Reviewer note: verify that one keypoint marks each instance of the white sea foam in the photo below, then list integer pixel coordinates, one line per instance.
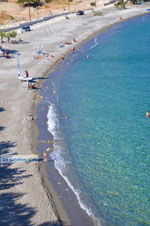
(95, 44)
(59, 162)
(53, 87)
(53, 123)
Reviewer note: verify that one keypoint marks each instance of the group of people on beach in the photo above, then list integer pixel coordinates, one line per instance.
(73, 49)
(16, 41)
(63, 56)
(31, 85)
(45, 55)
(6, 54)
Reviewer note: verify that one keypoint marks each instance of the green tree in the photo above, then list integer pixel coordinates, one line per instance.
(13, 34)
(30, 3)
(2, 35)
(120, 4)
(9, 35)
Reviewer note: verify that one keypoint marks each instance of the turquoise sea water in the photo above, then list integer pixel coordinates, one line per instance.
(105, 91)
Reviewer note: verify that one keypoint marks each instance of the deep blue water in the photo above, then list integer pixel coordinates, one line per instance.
(105, 91)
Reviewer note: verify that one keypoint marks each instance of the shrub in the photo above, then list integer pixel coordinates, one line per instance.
(122, 5)
(48, 1)
(116, 5)
(98, 13)
(93, 3)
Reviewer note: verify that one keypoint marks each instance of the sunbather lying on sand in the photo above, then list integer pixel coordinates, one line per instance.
(32, 85)
(69, 43)
(43, 57)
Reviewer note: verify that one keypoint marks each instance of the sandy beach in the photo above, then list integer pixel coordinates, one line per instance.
(25, 198)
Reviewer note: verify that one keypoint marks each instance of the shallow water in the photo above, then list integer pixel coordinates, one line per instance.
(104, 89)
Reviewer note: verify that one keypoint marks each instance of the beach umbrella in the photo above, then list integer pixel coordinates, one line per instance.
(40, 52)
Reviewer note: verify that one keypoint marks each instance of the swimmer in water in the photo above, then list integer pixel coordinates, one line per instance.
(147, 114)
(65, 117)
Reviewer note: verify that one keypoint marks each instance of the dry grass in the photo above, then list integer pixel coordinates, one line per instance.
(4, 17)
(19, 13)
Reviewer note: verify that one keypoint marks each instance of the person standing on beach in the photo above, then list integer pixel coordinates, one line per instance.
(62, 58)
(26, 74)
(45, 157)
(73, 50)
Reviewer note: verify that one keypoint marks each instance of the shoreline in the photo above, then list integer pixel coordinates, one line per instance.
(26, 143)
(57, 174)
(76, 214)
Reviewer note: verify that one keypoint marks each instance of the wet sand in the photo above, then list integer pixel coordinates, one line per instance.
(25, 187)
(76, 215)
